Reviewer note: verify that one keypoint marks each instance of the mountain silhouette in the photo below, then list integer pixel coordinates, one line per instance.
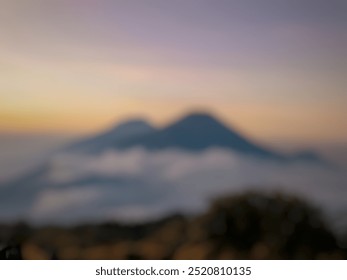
(108, 187)
(110, 138)
(194, 132)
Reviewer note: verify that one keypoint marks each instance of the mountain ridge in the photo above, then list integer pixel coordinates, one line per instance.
(194, 132)
(140, 177)
(99, 142)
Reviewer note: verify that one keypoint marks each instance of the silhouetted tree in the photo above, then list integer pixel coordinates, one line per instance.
(283, 226)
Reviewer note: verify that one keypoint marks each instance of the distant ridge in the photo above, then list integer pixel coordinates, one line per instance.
(111, 137)
(194, 132)
(197, 132)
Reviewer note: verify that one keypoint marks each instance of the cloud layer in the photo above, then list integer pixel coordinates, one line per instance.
(138, 185)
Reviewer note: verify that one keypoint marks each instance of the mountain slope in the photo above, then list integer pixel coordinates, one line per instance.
(110, 138)
(196, 132)
(194, 157)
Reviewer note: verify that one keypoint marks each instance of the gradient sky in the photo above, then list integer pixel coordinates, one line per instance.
(276, 69)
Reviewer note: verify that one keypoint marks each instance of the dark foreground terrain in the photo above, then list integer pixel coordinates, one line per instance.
(248, 226)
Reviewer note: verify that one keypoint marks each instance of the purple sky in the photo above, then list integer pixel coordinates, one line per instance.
(277, 69)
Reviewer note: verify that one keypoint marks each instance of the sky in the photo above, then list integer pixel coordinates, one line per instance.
(275, 69)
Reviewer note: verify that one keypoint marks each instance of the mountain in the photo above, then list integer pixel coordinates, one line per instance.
(195, 132)
(81, 182)
(110, 138)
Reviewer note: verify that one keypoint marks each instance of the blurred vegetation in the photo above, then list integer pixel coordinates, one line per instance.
(246, 226)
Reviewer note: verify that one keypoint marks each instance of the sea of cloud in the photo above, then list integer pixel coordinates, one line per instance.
(139, 185)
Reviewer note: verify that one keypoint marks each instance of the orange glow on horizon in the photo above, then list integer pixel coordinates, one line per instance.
(259, 121)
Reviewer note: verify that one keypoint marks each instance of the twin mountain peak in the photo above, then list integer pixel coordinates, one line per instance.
(194, 132)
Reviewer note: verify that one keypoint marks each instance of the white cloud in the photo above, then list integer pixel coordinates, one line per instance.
(54, 201)
(68, 167)
(169, 181)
